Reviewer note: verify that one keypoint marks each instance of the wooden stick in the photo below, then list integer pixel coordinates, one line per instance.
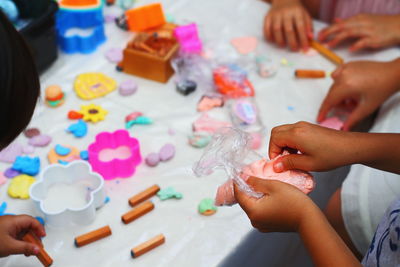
(92, 236)
(42, 256)
(147, 246)
(326, 52)
(310, 74)
(137, 212)
(144, 195)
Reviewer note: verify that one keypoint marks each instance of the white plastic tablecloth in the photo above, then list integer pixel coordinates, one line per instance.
(191, 239)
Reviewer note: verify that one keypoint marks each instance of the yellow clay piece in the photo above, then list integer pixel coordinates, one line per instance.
(19, 186)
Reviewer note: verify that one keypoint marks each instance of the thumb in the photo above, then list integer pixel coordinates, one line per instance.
(261, 185)
(293, 162)
(22, 247)
(357, 115)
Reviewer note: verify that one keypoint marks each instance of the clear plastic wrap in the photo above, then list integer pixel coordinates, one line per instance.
(230, 150)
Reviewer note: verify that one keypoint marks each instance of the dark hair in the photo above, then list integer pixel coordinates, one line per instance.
(19, 83)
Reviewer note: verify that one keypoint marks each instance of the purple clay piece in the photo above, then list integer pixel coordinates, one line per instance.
(128, 87)
(28, 149)
(152, 159)
(40, 140)
(167, 152)
(171, 132)
(10, 153)
(114, 55)
(11, 173)
(109, 18)
(31, 132)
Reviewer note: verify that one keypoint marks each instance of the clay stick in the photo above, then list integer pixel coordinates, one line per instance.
(137, 212)
(147, 246)
(310, 74)
(326, 52)
(92, 236)
(144, 195)
(42, 256)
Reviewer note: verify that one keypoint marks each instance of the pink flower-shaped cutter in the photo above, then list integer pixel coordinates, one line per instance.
(114, 168)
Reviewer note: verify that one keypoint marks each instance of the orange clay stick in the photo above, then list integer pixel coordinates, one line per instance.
(309, 74)
(147, 246)
(326, 52)
(92, 236)
(142, 196)
(42, 256)
(137, 212)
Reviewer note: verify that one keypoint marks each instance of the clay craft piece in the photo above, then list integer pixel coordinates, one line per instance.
(60, 213)
(115, 154)
(206, 207)
(55, 157)
(41, 140)
(147, 246)
(11, 173)
(92, 236)
(54, 96)
(199, 140)
(78, 129)
(31, 132)
(127, 88)
(231, 80)
(11, 152)
(74, 115)
(114, 55)
(168, 193)
(144, 195)
(27, 165)
(207, 124)
(245, 45)
(137, 212)
(152, 159)
(92, 85)
(207, 103)
(93, 113)
(167, 152)
(149, 56)
(140, 120)
(19, 186)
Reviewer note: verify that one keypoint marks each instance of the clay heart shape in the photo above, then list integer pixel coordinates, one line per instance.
(244, 45)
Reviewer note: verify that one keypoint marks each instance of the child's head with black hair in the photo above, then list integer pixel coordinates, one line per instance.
(19, 83)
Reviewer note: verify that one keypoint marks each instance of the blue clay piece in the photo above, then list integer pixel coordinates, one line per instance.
(41, 220)
(139, 120)
(63, 162)
(27, 165)
(107, 200)
(84, 155)
(78, 129)
(3, 208)
(62, 150)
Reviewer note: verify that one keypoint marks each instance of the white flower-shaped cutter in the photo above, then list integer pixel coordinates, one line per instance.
(68, 174)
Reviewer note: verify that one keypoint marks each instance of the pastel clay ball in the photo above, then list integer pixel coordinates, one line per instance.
(127, 88)
(40, 140)
(167, 152)
(152, 159)
(53, 91)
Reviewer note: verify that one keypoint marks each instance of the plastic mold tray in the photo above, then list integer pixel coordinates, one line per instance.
(115, 154)
(78, 172)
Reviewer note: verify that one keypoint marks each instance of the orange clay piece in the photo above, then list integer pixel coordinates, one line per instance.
(53, 157)
(209, 212)
(326, 52)
(310, 74)
(145, 17)
(53, 93)
(147, 246)
(79, 2)
(92, 236)
(144, 195)
(42, 256)
(232, 88)
(137, 212)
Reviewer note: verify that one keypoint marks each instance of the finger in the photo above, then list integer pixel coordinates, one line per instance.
(325, 33)
(276, 147)
(309, 27)
(22, 247)
(356, 115)
(289, 33)
(293, 162)
(337, 72)
(361, 44)
(245, 202)
(27, 223)
(267, 28)
(277, 31)
(342, 36)
(333, 98)
(260, 185)
(302, 31)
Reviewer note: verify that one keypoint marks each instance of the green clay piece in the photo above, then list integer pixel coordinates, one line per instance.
(170, 18)
(207, 204)
(139, 120)
(168, 193)
(54, 103)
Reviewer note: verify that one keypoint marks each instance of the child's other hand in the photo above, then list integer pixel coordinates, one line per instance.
(12, 229)
(366, 83)
(283, 208)
(371, 31)
(288, 23)
(321, 148)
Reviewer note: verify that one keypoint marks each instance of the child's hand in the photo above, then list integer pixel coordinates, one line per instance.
(367, 83)
(12, 229)
(288, 23)
(371, 31)
(283, 208)
(321, 148)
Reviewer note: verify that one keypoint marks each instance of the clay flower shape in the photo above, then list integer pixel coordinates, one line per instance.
(58, 212)
(115, 154)
(93, 113)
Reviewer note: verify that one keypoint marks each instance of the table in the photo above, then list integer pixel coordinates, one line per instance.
(191, 239)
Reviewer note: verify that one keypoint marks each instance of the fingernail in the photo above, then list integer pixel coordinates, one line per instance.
(278, 167)
(36, 250)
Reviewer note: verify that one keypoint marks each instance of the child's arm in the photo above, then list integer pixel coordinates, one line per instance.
(324, 149)
(284, 208)
(370, 31)
(367, 83)
(288, 23)
(12, 229)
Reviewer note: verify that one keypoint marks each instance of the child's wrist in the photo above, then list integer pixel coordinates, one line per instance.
(310, 213)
